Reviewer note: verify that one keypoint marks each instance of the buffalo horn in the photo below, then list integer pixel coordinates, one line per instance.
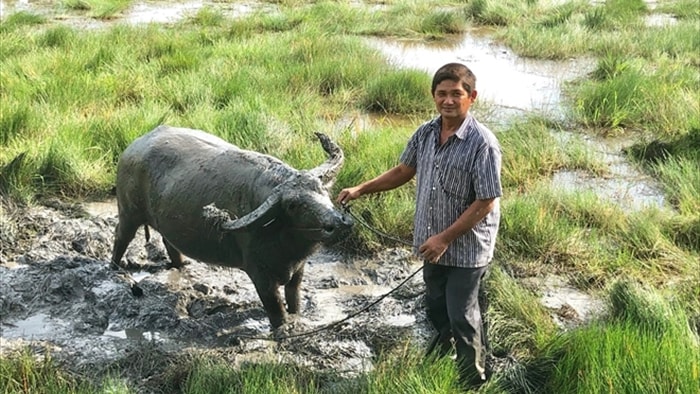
(327, 171)
(263, 214)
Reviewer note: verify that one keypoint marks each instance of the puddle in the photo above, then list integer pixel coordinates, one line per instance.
(157, 12)
(629, 193)
(625, 185)
(557, 293)
(503, 78)
(38, 326)
(13, 265)
(333, 302)
(660, 20)
(568, 305)
(162, 12)
(134, 334)
(103, 209)
(402, 320)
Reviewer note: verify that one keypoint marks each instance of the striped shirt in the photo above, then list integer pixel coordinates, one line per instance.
(450, 177)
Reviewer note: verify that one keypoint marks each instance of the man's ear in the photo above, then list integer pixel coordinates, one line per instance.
(473, 94)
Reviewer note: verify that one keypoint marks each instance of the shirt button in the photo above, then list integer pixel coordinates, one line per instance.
(433, 187)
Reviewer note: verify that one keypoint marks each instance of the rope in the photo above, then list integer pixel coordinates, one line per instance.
(346, 208)
(334, 324)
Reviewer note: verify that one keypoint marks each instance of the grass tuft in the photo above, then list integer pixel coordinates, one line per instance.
(644, 346)
(402, 91)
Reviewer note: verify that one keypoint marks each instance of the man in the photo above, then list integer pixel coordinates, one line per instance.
(457, 162)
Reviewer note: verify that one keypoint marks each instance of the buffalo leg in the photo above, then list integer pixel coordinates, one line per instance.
(174, 254)
(272, 302)
(292, 291)
(123, 235)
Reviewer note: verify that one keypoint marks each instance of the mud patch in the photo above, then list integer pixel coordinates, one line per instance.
(59, 292)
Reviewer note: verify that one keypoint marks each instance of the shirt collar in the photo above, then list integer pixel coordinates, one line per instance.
(463, 129)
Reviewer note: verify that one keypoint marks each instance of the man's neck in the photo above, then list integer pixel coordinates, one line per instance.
(449, 127)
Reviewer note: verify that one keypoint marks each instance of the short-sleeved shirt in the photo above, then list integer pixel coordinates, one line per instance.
(450, 177)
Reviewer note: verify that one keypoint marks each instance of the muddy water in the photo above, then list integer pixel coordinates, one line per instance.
(625, 184)
(162, 12)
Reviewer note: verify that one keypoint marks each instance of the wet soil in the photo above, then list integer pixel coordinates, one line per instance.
(59, 293)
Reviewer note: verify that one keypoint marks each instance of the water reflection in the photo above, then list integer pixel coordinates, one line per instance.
(503, 78)
(558, 294)
(134, 334)
(37, 326)
(149, 12)
(157, 13)
(162, 12)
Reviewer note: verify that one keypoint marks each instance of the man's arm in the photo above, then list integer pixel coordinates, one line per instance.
(390, 179)
(434, 247)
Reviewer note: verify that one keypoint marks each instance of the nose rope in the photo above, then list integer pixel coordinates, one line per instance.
(346, 209)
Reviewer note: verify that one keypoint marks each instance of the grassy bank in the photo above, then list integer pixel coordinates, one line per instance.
(71, 100)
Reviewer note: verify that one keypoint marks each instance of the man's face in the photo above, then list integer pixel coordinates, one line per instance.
(451, 100)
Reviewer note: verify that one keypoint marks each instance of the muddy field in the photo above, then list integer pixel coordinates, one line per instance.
(60, 295)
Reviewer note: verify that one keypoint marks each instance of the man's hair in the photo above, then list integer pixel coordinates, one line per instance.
(456, 72)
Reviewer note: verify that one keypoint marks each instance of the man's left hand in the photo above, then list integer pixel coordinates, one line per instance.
(433, 248)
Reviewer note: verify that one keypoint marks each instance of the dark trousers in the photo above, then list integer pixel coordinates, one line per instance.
(452, 303)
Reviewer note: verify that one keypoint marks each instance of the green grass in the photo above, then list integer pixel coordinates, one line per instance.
(210, 376)
(26, 373)
(628, 95)
(675, 161)
(423, 375)
(399, 92)
(534, 148)
(644, 346)
(98, 9)
(578, 235)
(496, 13)
(99, 96)
(683, 9)
(518, 324)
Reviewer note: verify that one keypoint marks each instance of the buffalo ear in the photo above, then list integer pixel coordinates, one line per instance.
(266, 212)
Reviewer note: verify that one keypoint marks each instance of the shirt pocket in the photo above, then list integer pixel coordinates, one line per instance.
(455, 181)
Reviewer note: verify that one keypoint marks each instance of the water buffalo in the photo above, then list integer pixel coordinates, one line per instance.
(188, 184)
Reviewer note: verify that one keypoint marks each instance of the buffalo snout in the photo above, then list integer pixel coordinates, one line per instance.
(338, 228)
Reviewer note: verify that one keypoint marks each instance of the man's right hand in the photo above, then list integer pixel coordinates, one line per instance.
(347, 195)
